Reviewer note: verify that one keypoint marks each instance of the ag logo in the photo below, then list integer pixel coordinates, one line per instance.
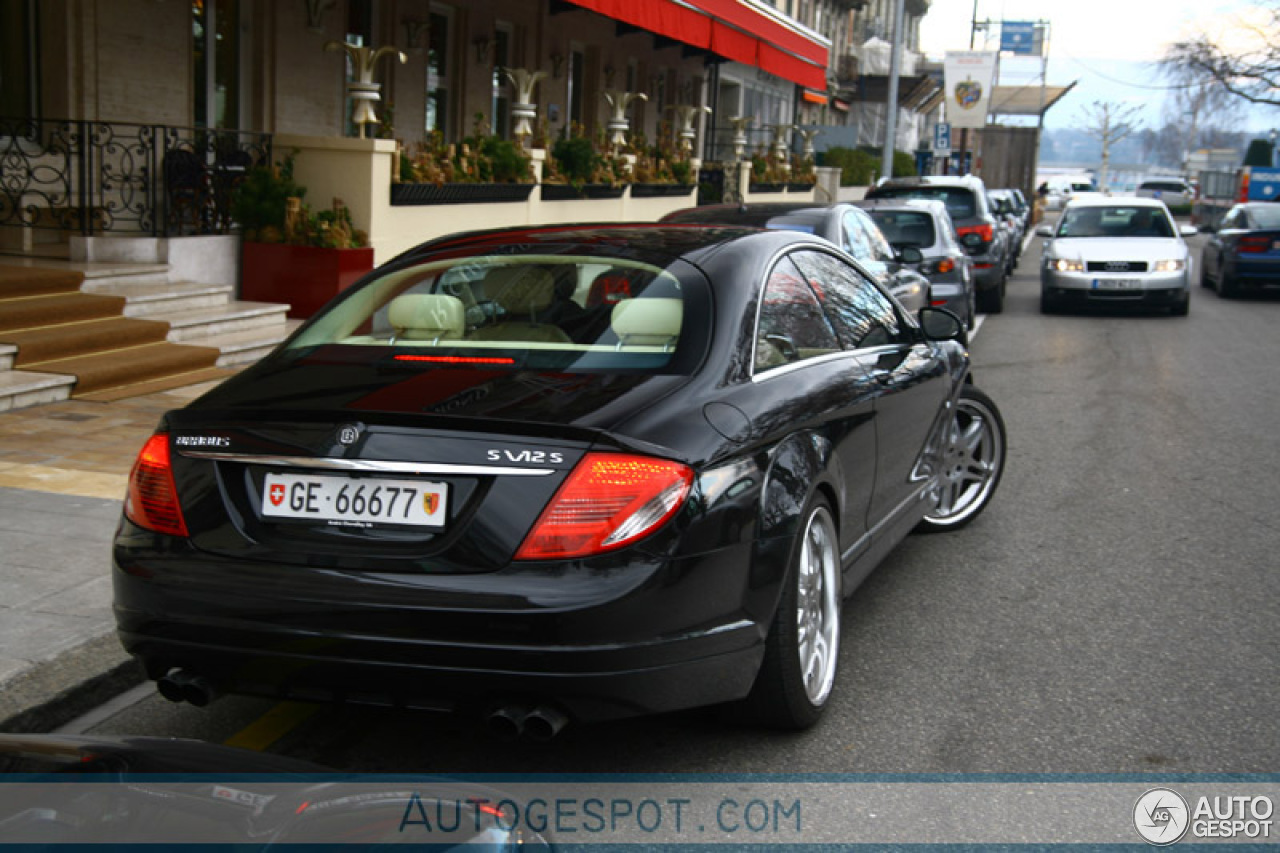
(968, 93)
(348, 433)
(1161, 816)
(430, 501)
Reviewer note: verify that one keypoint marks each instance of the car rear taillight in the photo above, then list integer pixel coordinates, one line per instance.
(986, 231)
(945, 265)
(608, 501)
(1255, 244)
(152, 501)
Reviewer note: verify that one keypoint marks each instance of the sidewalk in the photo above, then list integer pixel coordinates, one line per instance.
(63, 471)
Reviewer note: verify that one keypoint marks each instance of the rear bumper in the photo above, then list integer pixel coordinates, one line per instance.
(1254, 272)
(635, 637)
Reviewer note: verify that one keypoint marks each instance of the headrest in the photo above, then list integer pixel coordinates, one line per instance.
(648, 322)
(520, 289)
(427, 316)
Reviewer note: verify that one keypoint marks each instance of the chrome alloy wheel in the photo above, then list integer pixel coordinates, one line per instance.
(818, 606)
(971, 459)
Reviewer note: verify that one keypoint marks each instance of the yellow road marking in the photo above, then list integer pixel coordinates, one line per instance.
(271, 726)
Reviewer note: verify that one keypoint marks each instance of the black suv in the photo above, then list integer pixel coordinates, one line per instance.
(975, 221)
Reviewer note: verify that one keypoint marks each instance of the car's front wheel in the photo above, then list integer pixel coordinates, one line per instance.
(971, 461)
(799, 668)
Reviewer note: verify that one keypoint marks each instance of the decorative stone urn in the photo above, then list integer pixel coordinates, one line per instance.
(807, 136)
(781, 142)
(619, 123)
(363, 91)
(686, 114)
(740, 125)
(523, 109)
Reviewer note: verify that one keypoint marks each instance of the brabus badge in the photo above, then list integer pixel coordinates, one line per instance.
(348, 434)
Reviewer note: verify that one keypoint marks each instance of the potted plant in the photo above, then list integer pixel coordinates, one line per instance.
(582, 168)
(288, 253)
(482, 168)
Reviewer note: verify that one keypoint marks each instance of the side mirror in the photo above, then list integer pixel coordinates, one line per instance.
(1044, 230)
(1187, 230)
(939, 324)
(910, 255)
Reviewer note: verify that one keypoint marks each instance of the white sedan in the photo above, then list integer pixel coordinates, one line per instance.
(1115, 251)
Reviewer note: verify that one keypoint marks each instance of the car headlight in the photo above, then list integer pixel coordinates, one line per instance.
(1168, 266)
(1066, 265)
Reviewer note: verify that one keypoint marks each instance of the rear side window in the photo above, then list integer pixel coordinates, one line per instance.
(551, 312)
(960, 202)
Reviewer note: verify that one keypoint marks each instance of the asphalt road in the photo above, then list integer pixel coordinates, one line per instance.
(1117, 608)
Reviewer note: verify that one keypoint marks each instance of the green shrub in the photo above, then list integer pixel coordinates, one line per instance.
(856, 166)
(575, 159)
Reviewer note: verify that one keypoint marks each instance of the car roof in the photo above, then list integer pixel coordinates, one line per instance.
(967, 181)
(1116, 201)
(933, 205)
(639, 240)
(754, 215)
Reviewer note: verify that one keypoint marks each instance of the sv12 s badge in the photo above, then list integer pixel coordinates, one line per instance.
(528, 457)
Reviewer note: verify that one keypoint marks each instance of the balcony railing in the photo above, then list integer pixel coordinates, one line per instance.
(95, 176)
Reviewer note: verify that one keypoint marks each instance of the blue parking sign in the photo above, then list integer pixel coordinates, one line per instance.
(942, 136)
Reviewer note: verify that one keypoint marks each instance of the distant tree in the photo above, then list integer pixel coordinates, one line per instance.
(1109, 123)
(1260, 153)
(1251, 73)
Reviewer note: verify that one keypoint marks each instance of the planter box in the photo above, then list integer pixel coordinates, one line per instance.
(655, 190)
(766, 188)
(567, 192)
(406, 194)
(799, 188)
(306, 277)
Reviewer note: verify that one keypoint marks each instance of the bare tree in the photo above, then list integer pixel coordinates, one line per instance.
(1253, 75)
(1109, 123)
(1200, 114)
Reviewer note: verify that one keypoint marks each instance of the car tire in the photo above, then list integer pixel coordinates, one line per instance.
(797, 675)
(1205, 281)
(1182, 307)
(1227, 287)
(971, 456)
(992, 301)
(1048, 305)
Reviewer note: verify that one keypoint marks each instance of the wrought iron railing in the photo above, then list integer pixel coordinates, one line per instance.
(98, 176)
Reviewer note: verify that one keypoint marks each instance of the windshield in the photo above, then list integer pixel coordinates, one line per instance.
(1118, 221)
(905, 227)
(1267, 217)
(546, 312)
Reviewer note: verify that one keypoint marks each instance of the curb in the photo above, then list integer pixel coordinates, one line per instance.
(57, 691)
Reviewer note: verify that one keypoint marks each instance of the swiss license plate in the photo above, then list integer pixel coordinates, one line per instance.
(354, 502)
(1116, 284)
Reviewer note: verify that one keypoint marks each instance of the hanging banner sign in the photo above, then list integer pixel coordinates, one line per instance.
(970, 77)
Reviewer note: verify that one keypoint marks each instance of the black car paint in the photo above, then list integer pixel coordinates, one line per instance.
(676, 620)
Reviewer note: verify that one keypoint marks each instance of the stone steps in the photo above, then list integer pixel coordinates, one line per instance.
(199, 315)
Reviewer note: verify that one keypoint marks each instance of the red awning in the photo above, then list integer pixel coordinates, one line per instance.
(732, 29)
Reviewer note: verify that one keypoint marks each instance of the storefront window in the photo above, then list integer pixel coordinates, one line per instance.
(18, 58)
(438, 74)
(215, 45)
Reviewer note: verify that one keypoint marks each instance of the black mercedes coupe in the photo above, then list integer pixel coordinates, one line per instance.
(557, 473)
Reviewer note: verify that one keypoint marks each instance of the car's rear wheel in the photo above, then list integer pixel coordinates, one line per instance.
(1205, 281)
(971, 461)
(1228, 287)
(799, 668)
(992, 301)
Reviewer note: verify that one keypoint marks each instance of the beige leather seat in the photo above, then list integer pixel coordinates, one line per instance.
(653, 322)
(524, 292)
(427, 317)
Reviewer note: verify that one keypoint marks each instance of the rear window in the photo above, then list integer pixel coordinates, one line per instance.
(1267, 217)
(905, 227)
(543, 312)
(1164, 186)
(960, 202)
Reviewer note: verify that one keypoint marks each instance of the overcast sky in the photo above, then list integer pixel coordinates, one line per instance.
(1109, 46)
